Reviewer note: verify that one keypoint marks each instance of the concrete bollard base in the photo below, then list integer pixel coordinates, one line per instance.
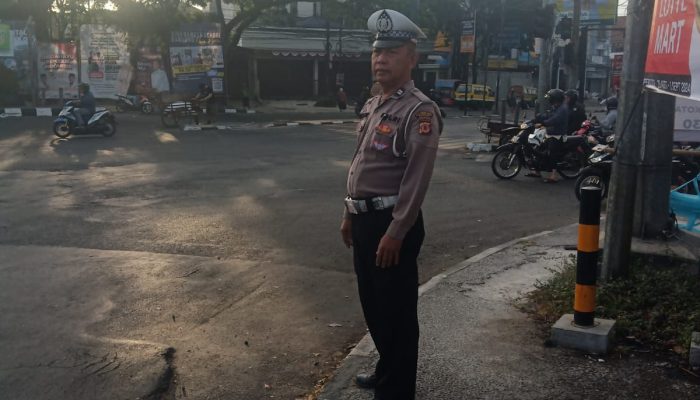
(595, 339)
(695, 350)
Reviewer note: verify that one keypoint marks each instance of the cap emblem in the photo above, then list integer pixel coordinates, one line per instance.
(384, 23)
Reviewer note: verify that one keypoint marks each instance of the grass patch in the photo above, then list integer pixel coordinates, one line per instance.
(657, 307)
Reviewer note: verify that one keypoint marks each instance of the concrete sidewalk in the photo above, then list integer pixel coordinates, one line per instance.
(475, 344)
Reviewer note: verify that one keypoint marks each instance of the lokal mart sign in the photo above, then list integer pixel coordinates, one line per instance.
(673, 61)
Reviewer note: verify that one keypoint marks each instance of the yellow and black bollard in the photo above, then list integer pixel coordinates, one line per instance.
(587, 257)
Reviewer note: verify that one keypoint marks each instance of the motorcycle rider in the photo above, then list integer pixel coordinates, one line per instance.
(610, 119)
(86, 105)
(557, 122)
(577, 111)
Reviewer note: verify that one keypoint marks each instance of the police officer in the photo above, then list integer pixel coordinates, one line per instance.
(387, 182)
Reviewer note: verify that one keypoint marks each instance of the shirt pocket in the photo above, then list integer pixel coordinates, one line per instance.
(382, 139)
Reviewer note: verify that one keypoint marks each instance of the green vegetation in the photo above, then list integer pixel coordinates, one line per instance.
(657, 307)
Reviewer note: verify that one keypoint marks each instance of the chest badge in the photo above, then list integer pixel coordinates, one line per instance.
(384, 129)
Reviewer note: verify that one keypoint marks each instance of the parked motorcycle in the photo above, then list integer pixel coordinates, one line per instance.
(599, 170)
(174, 112)
(525, 150)
(101, 122)
(137, 102)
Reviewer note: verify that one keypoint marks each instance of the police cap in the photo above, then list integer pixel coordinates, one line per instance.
(393, 29)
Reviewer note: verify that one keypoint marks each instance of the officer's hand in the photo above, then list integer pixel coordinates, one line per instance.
(346, 231)
(388, 252)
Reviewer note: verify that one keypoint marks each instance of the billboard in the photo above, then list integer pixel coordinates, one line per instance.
(196, 56)
(57, 70)
(593, 12)
(104, 60)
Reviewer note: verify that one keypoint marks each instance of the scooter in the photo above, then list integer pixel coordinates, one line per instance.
(101, 122)
(137, 102)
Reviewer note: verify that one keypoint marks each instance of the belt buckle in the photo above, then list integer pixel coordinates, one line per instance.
(378, 203)
(350, 206)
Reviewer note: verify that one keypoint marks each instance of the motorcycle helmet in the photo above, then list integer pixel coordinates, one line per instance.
(84, 87)
(572, 95)
(611, 103)
(555, 96)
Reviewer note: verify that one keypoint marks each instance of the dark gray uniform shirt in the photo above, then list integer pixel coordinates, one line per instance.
(388, 163)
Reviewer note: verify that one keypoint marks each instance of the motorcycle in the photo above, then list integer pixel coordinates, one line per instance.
(599, 170)
(174, 112)
(101, 122)
(138, 102)
(525, 149)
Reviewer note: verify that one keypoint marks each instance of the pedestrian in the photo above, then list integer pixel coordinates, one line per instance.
(204, 96)
(342, 99)
(387, 182)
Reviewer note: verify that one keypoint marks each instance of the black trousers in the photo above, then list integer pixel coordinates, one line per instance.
(389, 298)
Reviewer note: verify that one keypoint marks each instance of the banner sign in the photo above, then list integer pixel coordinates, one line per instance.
(687, 125)
(57, 70)
(5, 41)
(616, 71)
(593, 12)
(17, 60)
(196, 56)
(673, 61)
(468, 38)
(104, 60)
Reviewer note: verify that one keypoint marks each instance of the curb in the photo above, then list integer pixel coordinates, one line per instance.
(482, 147)
(239, 111)
(310, 123)
(199, 128)
(29, 112)
(365, 346)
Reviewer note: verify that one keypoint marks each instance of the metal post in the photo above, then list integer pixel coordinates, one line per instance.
(575, 30)
(618, 224)
(582, 61)
(655, 174)
(543, 80)
(587, 256)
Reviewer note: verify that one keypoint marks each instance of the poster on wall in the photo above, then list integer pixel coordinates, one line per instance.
(5, 41)
(57, 70)
(104, 59)
(196, 56)
(150, 76)
(17, 59)
(673, 61)
(593, 12)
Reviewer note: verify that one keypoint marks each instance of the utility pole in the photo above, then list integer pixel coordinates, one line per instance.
(575, 32)
(628, 132)
(545, 67)
(652, 219)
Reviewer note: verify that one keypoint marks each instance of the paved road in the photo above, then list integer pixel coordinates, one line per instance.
(222, 245)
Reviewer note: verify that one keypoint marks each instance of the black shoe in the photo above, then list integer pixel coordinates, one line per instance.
(366, 381)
